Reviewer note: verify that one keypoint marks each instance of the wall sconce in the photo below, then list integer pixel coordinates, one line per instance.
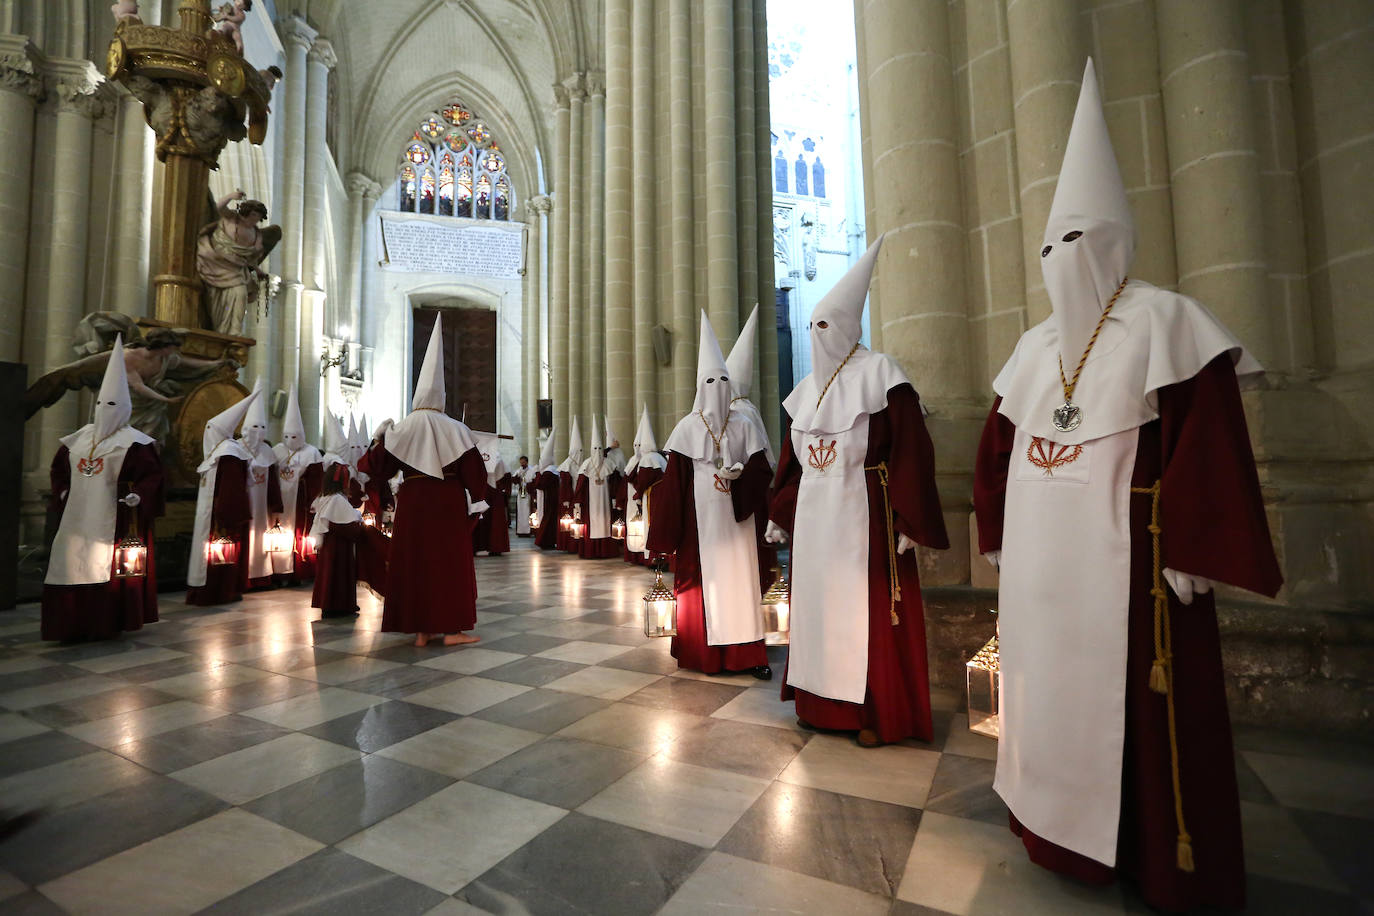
(328, 362)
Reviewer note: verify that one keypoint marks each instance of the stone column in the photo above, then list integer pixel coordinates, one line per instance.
(722, 253)
(1214, 165)
(1049, 46)
(320, 61)
(20, 90)
(363, 192)
(558, 280)
(535, 208)
(297, 38)
(645, 215)
(622, 398)
(768, 397)
(596, 244)
(128, 250)
(746, 174)
(681, 204)
(577, 290)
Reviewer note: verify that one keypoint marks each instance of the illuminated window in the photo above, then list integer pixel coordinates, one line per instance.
(451, 165)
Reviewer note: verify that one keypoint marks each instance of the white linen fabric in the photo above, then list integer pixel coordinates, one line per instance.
(427, 439)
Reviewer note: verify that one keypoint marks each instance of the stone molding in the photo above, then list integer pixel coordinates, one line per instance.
(322, 52)
(360, 184)
(560, 96)
(576, 86)
(17, 71)
(543, 203)
(295, 31)
(596, 83)
(79, 89)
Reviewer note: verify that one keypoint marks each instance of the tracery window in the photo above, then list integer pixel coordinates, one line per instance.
(453, 166)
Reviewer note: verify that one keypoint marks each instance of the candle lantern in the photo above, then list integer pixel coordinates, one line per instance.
(370, 519)
(565, 523)
(777, 610)
(618, 530)
(534, 519)
(221, 551)
(636, 528)
(660, 608)
(277, 540)
(131, 558)
(984, 684)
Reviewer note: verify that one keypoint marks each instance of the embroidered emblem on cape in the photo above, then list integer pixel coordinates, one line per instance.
(721, 484)
(1048, 456)
(287, 473)
(259, 477)
(822, 456)
(90, 467)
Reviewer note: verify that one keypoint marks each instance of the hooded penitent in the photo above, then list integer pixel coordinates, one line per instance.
(335, 441)
(705, 434)
(645, 446)
(573, 462)
(1151, 338)
(546, 454)
(427, 439)
(740, 364)
(218, 442)
(83, 550)
(596, 464)
(294, 458)
(255, 421)
(615, 454)
(647, 457)
(259, 480)
(293, 429)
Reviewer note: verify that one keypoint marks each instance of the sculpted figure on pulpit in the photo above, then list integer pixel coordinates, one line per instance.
(227, 258)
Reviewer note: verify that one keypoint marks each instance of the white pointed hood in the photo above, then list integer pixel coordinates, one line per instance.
(1089, 240)
(740, 362)
(573, 462)
(428, 439)
(255, 421)
(546, 460)
(292, 426)
(615, 454)
(113, 406)
(645, 446)
(705, 434)
(596, 464)
(335, 440)
(219, 433)
(841, 311)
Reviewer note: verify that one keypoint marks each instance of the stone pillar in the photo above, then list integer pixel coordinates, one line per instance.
(622, 398)
(645, 217)
(558, 300)
(362, 198)
(577, 290)
(128, 251)
(20, 89)
(297, 38)
(767, 395)
(535, 208)
(1049, 47)
(1214, 166)
(682, 202)
(596, 245)
(320, 61)
(722, 231)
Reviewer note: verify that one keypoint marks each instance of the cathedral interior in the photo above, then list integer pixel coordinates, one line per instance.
(296, 192)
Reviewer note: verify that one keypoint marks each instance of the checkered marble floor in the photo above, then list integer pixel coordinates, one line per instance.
(251, 759)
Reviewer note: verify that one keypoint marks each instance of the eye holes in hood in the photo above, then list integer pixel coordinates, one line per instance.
(1072, 236)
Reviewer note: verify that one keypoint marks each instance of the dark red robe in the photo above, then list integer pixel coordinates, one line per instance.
(230, 515)
(104, 609)
(644, 478)
(588, 547)
(546, 535)
(347, 555)
(431, 585)
(1212, 525)
(897, 702)
(566, 491)
(492, 533)
(307, 491)
(673, 529)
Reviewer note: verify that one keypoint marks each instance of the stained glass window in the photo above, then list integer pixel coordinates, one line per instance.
(818, 178)
(452, 166)
(780, 172)
(801, 175)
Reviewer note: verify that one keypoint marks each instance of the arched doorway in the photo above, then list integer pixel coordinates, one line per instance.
(469, 338)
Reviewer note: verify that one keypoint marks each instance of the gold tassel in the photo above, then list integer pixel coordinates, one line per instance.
(1158, 682)
(1185, 854)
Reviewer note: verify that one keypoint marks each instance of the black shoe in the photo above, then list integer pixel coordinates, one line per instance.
(763, 673)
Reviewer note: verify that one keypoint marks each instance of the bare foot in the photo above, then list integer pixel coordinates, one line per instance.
(460, 639)
(421, 640)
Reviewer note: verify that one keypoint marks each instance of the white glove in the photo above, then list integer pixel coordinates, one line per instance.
(478, 507)
(381, 429)
(132, 500)
(774, 535)
(995, 558)
(904, 543)
(1186, 586)
(730, 473)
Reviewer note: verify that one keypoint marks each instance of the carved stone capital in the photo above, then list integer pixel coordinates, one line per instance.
(362, 185)
(77, 89)
(576, 86)
(17, 71)
(296, 31)
(560, 95)
(540, 204)
(596, 83)
(322, 52)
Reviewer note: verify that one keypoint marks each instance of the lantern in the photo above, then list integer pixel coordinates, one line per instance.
(578, 528)
(618, 530)
(565, 523)
(277, 540)
(984, 683)
(660, 608)
(636, 527)
(131, 558)
(370, 519)
(221, 551)
(777, 610)
(534, 519)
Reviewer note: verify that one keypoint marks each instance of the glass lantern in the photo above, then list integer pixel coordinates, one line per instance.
(565, 523)
(370, 519)
(131, 558)
(277, 540)
(660, 608)
(777, 610)
(984, 683)
(636, 527)
(534, 519)
(618, 530)
(221, 551)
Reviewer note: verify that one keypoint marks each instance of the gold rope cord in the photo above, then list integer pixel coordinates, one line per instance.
(895, 584)
(1162, 673)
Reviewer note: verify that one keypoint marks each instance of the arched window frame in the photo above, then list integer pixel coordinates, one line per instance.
(450, 158)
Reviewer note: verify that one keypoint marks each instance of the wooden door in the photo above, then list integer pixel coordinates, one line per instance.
(469, 343)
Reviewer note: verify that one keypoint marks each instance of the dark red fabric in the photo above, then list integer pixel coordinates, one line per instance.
(565, 504)
(673, 529)
(378, 497)
(546, 535)
(374, 555)
(897, 703)
(1212, 525)
(990, 478)
(230, 515)
(336, 570)
(431, 585)
(307, 491)
(590, 548)
(643, 479)
(492, 533)
(103, 610)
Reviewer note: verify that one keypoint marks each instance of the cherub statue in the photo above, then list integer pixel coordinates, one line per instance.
(126, 11)
(227, 258)
(229, 21)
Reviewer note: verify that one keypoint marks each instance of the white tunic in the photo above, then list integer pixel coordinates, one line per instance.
(729, 561)
(83, 550)
(260, 564)
(291, 467)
